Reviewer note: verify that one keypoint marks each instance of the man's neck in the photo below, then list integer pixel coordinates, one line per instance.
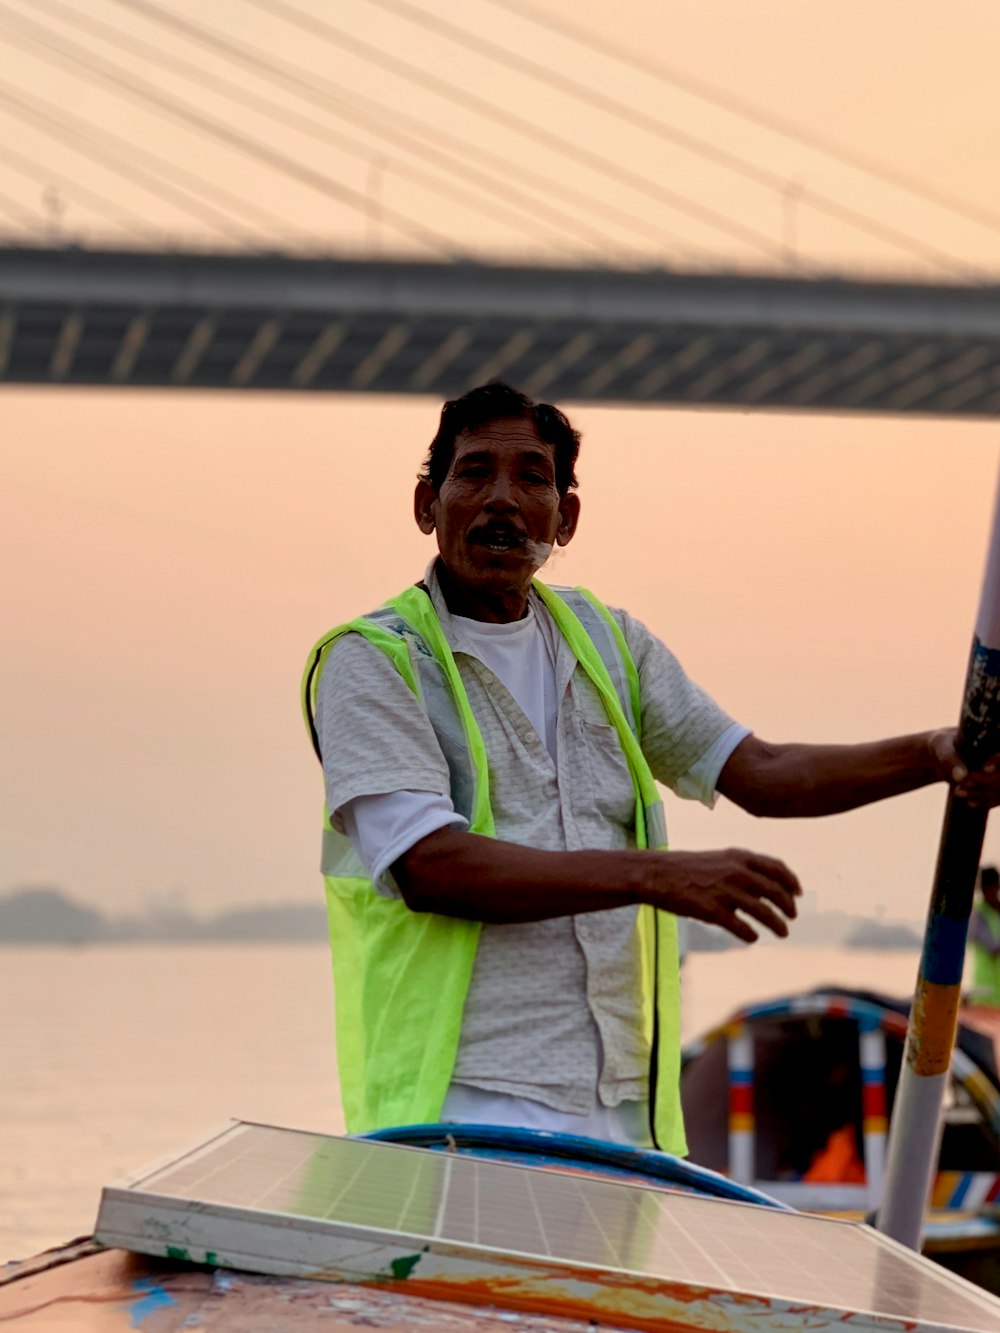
(498, 606)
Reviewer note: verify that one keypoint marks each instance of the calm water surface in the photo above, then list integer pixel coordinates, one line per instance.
(113, 1057)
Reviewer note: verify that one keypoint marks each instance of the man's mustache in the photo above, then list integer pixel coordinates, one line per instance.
(484, 536)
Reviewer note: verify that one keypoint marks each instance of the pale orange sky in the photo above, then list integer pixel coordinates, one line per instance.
(172, 556)
(176, 555)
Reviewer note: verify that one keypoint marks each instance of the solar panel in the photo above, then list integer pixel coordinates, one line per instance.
(284, 1201)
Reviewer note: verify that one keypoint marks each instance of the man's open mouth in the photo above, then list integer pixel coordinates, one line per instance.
(498, 539)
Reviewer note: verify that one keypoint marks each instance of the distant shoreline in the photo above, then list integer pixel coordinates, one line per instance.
(196, 941)
(44, 916)
(48, 916)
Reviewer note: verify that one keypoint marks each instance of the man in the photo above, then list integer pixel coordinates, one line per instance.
(502, 906)
(984, 940)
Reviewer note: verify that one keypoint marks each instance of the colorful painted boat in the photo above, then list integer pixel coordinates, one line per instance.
(792, 1097)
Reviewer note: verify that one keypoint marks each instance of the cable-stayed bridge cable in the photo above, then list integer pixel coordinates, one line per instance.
(768, 120)
(568, 147)
(156, 55)
(68, 52)
(288, 76)
(124, 159)
(554, 78)
(471, 156)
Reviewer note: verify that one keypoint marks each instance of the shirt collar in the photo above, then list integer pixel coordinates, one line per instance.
(452, 630)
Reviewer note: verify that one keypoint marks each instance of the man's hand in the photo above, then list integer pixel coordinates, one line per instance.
(722, 887)
(980, 789)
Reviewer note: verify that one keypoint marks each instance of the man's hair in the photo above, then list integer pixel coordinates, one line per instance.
(989, 876)
(499, 402)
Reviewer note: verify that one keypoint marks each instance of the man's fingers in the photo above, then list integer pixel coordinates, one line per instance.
(737, 926)
(773, 869)
(765, 914)
(949, 761)
(981, 788)
(782, 891)
(724, 888)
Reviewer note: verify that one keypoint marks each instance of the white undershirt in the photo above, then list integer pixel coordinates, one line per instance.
(522, 655)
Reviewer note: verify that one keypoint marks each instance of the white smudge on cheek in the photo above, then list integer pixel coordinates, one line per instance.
(538, 552)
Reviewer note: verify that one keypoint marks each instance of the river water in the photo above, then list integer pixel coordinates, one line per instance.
(113, 1057)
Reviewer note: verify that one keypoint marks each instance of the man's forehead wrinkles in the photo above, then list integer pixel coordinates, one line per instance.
(502, 431)
(476, 447)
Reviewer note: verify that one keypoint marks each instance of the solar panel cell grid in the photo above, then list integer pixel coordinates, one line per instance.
(566, 1219)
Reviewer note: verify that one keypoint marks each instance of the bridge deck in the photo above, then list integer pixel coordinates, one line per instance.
(182, 320)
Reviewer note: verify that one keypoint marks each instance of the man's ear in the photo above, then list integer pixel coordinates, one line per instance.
(569, 517)
(424, 499)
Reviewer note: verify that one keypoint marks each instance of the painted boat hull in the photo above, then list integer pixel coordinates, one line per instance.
(762, 1092)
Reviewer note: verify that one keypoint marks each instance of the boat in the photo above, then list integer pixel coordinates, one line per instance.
(792, 1096)
(463, 1229)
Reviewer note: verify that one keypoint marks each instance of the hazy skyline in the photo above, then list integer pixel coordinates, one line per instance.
(171, 557)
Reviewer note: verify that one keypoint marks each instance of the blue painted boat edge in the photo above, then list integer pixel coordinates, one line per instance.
(572, 1149)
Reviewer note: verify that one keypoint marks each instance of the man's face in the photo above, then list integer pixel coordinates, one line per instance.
(498, 512)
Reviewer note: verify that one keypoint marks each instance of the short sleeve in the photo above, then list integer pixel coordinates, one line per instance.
(680, 722)
(382, 828)
(699, 782)
(374, 735)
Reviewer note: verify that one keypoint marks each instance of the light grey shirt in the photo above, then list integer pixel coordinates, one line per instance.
(553, 1012)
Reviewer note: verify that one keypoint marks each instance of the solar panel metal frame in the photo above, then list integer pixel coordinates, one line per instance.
(135, 1215)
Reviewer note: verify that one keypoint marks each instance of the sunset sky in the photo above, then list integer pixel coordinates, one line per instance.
(171, 557)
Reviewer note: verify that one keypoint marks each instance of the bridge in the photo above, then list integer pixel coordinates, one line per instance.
(71, 316)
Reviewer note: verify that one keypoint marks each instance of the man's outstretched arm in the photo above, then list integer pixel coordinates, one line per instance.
(787, 781)
(483, 879)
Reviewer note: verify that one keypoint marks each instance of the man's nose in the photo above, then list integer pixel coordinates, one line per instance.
(502, 495)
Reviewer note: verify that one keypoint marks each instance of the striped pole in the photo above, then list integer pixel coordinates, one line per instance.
(742, 1150)
(915, 1131)
(871, 1050)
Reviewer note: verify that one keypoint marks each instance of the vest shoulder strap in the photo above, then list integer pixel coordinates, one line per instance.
(605, 634)
(385, 629)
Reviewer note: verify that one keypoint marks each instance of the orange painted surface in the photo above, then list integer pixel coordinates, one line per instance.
(837, 1161)
(618, 1300)
(935, 1019)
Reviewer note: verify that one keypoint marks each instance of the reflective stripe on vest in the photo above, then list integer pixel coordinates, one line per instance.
(402, 977)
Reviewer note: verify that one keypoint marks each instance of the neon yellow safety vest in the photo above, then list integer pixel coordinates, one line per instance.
(985, 961)
(401, 977)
